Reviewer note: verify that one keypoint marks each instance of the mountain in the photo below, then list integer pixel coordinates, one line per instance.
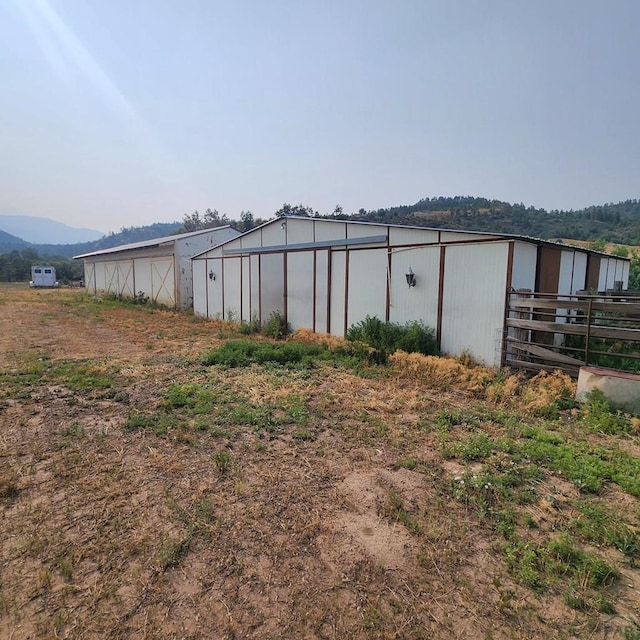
(44, 230)
(10, 242)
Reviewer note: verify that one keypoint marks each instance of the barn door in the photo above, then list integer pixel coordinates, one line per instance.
(111, 277)
(90, 276)
(163, 282)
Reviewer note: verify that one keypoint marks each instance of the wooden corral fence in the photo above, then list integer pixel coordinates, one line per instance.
(549, 331)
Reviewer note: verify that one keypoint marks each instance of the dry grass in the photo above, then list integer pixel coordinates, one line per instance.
(300, 503)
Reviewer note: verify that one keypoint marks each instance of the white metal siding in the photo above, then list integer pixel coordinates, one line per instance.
(566, 271)
(300, 289)
(365, 230)
(456, 236)
(325, 230)
(419, 302)
(273, 235)
(579, 271)
(523, 272)
(232, 283)
(474, 299)
(200, 279)
(398, 235)
(322, 290)
(246, 289)
(214, 288)
(299, 231)
(271, 285)
(367, 285)
(255, 286)
(142, 267)
(337, 292)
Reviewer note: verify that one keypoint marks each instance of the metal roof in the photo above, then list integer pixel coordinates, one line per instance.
(146, 244)
(510, 236)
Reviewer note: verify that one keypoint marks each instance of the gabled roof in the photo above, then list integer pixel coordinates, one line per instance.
(147, 244)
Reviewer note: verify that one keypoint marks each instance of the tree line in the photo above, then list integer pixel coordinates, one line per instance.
(15, 266)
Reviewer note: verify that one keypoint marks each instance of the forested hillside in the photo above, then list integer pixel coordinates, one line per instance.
(619, 223)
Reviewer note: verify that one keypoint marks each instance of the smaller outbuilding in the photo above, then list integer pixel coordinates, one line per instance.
(158, 269)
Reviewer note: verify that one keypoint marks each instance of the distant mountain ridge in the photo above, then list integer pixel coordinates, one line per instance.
(38, 230)
(9, 242)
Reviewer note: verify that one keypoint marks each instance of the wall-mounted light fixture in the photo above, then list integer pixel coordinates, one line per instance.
(212, 276)
(411, 277)
(283, 225)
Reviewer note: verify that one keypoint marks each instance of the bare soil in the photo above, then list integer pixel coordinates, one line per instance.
(108, 532)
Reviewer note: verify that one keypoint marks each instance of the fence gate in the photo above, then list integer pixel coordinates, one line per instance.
(550, 331)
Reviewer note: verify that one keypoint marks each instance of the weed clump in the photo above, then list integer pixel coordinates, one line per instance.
(388, 337)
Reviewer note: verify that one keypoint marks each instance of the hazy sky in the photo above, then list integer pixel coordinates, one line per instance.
(125, 112)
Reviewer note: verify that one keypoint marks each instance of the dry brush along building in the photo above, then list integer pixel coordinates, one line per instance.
(159, 269)
(326, 275)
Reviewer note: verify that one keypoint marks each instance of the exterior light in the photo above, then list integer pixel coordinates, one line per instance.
(283, 225)
(411, 277)
(212, 276)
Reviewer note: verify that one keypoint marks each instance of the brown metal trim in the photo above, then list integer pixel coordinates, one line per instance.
(346, 293)
(440, 296)
(510, 263)
(509, 281)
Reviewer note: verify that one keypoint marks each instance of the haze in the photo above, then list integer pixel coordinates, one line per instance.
(125, 113)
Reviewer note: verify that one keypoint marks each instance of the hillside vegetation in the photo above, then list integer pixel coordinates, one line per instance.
(168, 477)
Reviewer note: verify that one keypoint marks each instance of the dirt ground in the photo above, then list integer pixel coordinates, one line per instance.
(230, 531)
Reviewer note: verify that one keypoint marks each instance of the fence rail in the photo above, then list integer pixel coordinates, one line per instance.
(548, 331)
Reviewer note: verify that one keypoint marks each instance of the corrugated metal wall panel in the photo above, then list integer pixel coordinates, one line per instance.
(327, 230)
(398, 235)
(603, 275)
(246, 289)
(365, 230)
(299, 231)
(367, 294)
(419, 302)
(566, 271)
(215, 287)
(523, 272)
(579, 272)
(255, 287)
(300, 289)
(272, 235)
(338, 262)
(474, 299)
(200, 279)
(232, 289)
(142, 268)
(322, 290)
(271, 285)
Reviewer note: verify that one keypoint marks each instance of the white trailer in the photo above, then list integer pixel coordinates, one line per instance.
(43, 277)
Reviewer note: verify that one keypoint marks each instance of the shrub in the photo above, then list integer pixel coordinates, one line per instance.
(276, 326)
(387, 337)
